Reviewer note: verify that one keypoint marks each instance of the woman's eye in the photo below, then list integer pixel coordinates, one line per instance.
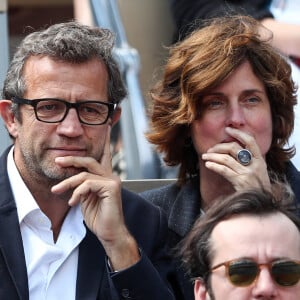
(214, 104)
(252, 100)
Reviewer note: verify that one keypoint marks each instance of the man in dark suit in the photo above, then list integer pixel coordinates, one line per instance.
(67, 229)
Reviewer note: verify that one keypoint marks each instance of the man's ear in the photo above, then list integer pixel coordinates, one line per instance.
(8, 117)
(116, 115)
(200, 291)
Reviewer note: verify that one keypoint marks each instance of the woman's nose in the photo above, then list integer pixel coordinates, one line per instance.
(235, 116)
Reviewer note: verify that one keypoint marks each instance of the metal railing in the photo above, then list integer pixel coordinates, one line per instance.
(4, 59)
(141, 161)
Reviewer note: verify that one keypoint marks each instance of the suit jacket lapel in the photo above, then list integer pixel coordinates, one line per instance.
(11, 246)
(187, 205)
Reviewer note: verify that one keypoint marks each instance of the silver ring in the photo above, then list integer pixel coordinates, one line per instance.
(244, 157)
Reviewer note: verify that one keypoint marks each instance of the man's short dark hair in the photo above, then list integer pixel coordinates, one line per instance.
(196, 248)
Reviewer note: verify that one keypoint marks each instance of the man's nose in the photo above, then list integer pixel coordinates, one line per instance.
(71, 125)
(264, 287)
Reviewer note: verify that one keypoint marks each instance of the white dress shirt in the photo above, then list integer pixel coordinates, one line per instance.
(51, 266)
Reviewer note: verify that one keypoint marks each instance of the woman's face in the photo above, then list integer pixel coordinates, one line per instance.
(240, 102)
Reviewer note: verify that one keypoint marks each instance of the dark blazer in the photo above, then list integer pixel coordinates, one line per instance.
(145, 280)
(182, 206)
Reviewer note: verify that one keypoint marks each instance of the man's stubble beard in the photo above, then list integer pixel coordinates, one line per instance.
(44, 170)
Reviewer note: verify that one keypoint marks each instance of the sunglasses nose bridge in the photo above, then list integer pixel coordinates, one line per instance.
(264, 284)
(262, 269)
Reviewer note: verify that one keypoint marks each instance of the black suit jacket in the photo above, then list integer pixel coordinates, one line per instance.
(145, 280)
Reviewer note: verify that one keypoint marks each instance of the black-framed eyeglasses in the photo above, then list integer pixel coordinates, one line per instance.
(243, 272)
(50, 110)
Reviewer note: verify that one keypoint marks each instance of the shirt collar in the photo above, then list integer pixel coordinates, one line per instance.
(24, 201)
(26, 204)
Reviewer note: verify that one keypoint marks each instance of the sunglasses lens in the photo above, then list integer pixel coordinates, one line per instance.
(242, 273)
(286, 273)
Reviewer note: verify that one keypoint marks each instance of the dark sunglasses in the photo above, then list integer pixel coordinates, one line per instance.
(243, 272)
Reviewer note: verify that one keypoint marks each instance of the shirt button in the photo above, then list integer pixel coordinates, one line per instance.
(125, 293)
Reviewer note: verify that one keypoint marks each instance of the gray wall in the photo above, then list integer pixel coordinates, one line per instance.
(4, 58)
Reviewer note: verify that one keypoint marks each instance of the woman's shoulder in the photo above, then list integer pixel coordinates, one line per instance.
(163, 195)
(174, 195)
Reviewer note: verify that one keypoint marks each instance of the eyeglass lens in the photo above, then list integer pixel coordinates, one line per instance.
(242, 273)
(284, 273)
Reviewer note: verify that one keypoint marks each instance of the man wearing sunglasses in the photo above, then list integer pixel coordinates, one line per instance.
(67, 228)
(247, 246)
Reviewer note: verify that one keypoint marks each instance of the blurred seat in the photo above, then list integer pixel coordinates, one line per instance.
(139, 186)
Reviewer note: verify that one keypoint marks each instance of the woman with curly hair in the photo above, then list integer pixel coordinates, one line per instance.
(223, 112)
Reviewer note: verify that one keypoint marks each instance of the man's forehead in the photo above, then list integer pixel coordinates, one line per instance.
(44, 73)
(238, 232)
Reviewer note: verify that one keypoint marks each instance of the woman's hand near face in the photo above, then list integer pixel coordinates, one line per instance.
(222, 159)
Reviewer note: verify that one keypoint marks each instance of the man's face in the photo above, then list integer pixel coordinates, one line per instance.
(261, 239)
(37, 144)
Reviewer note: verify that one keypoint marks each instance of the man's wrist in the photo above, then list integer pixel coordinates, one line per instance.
(113, 271)
(123, 255)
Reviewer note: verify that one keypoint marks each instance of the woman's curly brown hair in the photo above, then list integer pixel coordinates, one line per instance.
(202, 62)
